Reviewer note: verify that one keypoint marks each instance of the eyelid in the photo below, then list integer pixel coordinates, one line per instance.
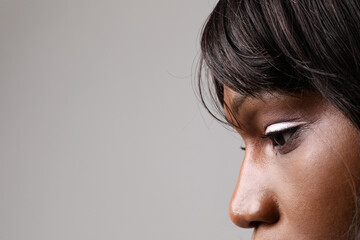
(281, 126)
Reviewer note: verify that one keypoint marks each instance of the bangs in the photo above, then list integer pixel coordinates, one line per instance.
(255, 46)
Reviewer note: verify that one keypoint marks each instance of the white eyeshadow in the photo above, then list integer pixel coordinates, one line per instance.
(277, 127)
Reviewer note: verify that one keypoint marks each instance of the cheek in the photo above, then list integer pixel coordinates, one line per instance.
(318, 184)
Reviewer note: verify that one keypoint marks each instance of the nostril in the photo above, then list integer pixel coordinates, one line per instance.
(268, 221)
(254, 224)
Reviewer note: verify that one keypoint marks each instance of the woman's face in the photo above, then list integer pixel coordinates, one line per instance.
(300, 169)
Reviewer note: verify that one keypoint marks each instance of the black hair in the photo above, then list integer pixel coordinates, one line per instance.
(288, 46)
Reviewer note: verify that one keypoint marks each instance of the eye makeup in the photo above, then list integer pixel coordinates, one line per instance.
(281, 126)
(284, 136)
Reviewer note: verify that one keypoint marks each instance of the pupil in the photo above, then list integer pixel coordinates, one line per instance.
(279, 139)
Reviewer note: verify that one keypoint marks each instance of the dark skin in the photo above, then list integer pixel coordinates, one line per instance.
(300, 170)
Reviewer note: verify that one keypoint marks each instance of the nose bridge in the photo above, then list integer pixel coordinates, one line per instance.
(253, 201)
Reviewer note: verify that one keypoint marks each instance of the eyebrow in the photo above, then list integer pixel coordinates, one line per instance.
(238, 100)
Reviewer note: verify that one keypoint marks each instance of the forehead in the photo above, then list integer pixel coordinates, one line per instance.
(235, 100)
(242, 110)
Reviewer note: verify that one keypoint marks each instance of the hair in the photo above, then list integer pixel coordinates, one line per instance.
(286, 46)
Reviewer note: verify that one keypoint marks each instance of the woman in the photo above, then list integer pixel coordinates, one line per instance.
(285, 74)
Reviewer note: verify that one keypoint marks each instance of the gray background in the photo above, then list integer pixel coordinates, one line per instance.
(101, 134)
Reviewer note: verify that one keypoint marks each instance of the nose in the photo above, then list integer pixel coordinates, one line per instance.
(253, 202)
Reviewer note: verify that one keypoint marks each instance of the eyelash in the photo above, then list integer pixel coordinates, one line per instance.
(278, 143)
(284, 140)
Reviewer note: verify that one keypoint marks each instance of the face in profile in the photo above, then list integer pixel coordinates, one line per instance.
(294, 70)
(301, 171)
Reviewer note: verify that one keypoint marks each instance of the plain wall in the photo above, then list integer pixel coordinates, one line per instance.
(101, 134)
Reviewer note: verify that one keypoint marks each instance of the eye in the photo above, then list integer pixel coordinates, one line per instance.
(282, 135)
(280, 138)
